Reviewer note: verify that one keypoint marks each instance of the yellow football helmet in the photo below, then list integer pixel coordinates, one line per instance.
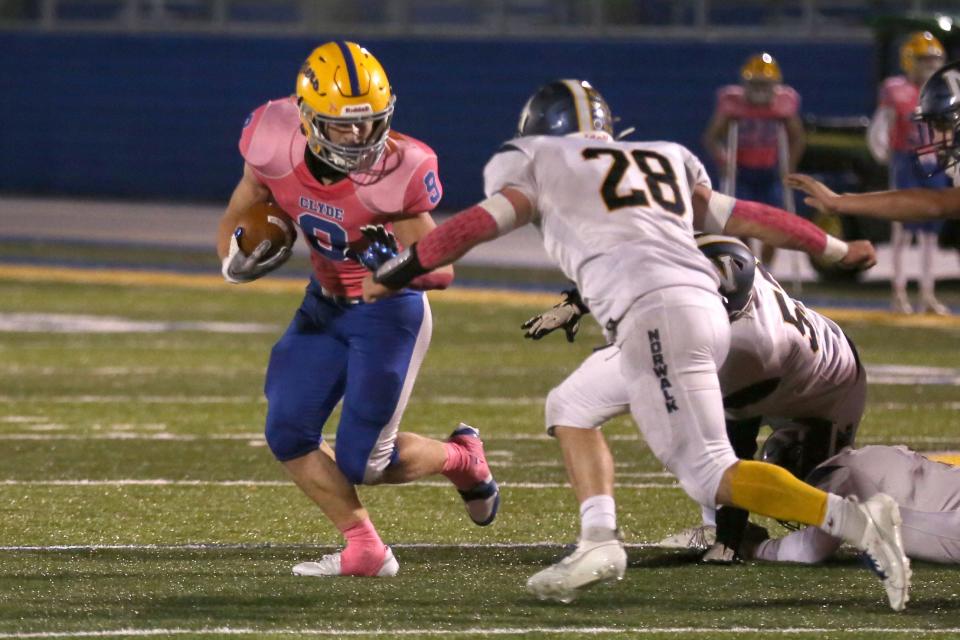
(761, 67)
(921, 44)
(343, 85)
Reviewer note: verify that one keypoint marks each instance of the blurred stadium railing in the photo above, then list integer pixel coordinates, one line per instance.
(716, 19)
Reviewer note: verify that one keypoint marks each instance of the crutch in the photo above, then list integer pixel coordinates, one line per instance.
(783, 157)
(729, 183)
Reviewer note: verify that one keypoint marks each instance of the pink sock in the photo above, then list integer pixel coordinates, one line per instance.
(364, 553)
(458, 458)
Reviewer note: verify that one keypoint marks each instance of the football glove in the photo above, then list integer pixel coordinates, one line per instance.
(382, 247)
(239, 267)
(565, 314)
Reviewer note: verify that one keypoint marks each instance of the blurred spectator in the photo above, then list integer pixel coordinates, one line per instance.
(765, 114)
(892, 136)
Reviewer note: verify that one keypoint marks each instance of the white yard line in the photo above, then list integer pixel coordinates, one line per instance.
(75, 323)
(255, 437)
(241, 546)
(480, 631)
(163, 482)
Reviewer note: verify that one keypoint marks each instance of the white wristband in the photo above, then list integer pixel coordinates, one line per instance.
(835, 251)
(719, 209)
(502, 211)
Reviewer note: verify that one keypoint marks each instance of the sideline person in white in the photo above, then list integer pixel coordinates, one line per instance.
(618, 218)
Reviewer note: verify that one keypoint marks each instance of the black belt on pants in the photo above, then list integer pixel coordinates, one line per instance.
(342, 301)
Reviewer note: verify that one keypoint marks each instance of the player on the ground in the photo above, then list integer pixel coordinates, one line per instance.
(939, 120)
(618, 218)
(759, 107)
(892, 138)
(328, 158)
(927, 492)
(787, 366)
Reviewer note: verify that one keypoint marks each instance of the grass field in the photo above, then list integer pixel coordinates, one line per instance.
(138, 497)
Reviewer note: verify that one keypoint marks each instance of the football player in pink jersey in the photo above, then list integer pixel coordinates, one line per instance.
(328, 158)
(892, 138)
(759, 105)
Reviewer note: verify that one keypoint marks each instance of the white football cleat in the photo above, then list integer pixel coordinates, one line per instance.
(329, 566)
(598, 557)
(883, 548)
(698, 538)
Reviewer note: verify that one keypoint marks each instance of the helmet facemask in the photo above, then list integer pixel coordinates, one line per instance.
(939, 147)
(347, 157)
(759, 92)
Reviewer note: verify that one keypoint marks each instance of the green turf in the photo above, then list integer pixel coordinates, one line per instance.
(185, 410)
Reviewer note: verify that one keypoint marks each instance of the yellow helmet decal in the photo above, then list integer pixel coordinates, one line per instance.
(761, 67)
(921, 44)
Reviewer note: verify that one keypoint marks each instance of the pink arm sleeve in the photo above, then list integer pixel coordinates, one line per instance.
(805, 235)
(456, 236)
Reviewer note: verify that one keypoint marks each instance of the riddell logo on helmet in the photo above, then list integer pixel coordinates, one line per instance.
(356, 109)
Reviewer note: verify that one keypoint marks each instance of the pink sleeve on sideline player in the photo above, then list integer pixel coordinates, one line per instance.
(730, 101)
(786, 102)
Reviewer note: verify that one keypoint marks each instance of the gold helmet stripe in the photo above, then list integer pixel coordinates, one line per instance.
(581, 103)
(351, 66)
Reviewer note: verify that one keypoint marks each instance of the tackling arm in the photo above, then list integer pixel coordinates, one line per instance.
(411, 230)
(905, 204)
(718, 213)
(500, 213)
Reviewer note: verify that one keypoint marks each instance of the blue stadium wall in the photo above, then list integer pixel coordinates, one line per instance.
(158, 117)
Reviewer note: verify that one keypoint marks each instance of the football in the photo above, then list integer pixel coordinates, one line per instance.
(265, 221)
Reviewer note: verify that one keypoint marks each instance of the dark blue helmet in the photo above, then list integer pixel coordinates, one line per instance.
(563, 107)
(736, 266)
(938, 118)
(800, 447)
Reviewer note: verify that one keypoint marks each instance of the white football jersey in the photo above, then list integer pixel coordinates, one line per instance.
(927, 492)
(784, 359)
(616, 217)
(911, 479)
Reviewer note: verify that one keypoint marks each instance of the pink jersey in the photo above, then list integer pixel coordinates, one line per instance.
(330, 216)
(757, 124)
(902, 96)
